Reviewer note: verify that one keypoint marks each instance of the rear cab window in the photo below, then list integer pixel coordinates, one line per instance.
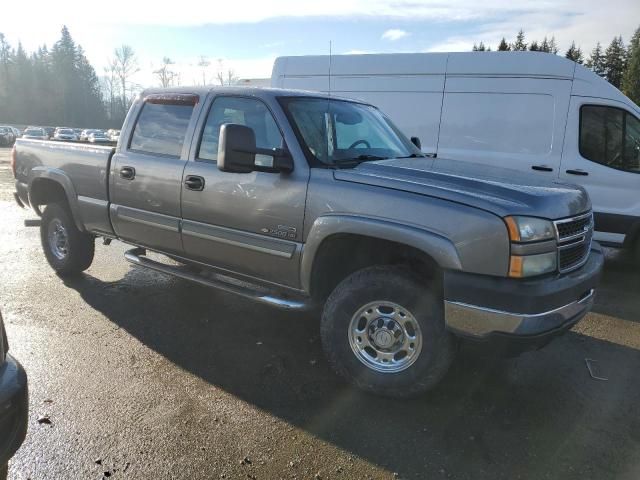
(610, 136)
(162, 124)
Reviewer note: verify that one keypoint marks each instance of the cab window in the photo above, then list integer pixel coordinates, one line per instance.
(162, 124)
(243, 111)
(610, 136)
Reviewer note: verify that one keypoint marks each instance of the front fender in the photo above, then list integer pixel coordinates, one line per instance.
(61, 178)
(436, 246)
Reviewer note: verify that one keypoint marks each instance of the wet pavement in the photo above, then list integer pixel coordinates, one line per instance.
(146, 376)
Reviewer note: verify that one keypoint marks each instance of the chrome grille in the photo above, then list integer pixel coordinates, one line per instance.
(574, 241)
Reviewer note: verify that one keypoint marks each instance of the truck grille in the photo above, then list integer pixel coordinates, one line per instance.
(574, 241)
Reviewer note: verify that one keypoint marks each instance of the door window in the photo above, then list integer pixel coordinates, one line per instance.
(610, 136)
(243, 111)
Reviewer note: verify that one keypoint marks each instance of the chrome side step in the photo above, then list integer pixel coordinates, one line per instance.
(137, 256)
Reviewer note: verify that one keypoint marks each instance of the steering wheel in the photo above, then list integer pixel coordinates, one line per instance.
(358, 142)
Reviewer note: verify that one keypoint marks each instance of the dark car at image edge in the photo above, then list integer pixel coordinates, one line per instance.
(14, 409)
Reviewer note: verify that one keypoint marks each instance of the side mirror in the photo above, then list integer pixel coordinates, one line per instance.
(237, 152)
(416, 142)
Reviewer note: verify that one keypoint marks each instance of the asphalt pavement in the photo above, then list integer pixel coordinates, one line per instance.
(145, 376)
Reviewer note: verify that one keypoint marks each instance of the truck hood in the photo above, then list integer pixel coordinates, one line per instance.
(497, 190)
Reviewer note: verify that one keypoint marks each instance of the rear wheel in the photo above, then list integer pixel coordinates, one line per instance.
(383, 330)
(68, 250)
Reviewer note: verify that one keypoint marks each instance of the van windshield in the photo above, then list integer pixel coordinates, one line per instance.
(341, 133)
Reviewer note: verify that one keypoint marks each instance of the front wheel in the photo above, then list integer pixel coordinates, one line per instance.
(68, 250)
(383, 330)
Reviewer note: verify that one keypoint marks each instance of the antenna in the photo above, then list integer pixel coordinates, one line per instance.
(330, 58)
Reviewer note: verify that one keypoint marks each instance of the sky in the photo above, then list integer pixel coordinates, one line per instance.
(247, 35)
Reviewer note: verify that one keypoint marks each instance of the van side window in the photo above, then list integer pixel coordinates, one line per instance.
(610, 136)
(161, 128)
(243, 111)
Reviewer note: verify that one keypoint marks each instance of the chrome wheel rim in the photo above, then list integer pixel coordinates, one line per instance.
(58, 239)
(385, 337)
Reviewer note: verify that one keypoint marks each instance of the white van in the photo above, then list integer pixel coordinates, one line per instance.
(534, 112)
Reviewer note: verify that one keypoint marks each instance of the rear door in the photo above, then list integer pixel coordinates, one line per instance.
(146, 173)
(247, 223)
(517, 123)
(602, 153)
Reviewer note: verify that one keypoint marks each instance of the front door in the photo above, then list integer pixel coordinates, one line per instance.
(602, 153)
(146, 174)
(247, 223)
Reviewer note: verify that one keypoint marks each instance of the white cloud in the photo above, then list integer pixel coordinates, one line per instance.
(394, 34)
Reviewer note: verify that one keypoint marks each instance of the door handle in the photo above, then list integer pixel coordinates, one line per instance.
(541, 168)
(194, 182)
(578, 172)
(128, 173)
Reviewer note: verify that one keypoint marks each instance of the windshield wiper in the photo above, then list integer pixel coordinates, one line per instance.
(414, 155)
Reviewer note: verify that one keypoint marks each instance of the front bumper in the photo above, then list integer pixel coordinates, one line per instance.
(479, 307)
(14, 408)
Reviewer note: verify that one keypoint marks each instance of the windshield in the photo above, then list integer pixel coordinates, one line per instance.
(65, 131)
(34, 131)
(339, 132)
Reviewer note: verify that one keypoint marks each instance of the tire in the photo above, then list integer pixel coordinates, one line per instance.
(4, 472)
(73, 253)
(394, 296)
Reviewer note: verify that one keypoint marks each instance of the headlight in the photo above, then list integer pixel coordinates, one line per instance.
(531, 265)
(529, 229)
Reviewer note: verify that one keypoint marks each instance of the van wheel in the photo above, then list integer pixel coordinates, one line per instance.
(68, 250)
(383, 330)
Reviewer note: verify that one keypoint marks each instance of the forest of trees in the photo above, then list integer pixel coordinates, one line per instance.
(59, 86)
(618, 64)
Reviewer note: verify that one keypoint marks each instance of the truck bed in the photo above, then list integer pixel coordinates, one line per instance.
(83, 171)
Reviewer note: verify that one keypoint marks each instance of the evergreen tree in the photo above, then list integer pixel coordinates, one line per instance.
(596, 61)
(57, 87)
(519, 45)
(534, 47)
(479, 48)
(574, 53)
(615, 57)
(631, 79)
(503, 46)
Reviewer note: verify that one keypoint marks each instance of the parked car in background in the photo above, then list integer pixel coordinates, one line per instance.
(114, 136)
(7, 136)
(543, 115)
(35, 133)
(65, 134)
(84, 136)
(98, 136)
(14, 403)
(78, 132)
(304, 200)
(16, 131)
(50, 131)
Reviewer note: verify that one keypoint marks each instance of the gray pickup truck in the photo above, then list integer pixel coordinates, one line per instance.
(297, 200)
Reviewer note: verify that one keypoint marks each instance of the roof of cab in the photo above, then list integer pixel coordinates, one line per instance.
(203, 91)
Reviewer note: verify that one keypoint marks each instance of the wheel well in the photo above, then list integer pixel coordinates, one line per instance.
(44, 191)
(342, 254)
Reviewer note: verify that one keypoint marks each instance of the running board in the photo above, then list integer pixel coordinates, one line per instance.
(138, 257)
